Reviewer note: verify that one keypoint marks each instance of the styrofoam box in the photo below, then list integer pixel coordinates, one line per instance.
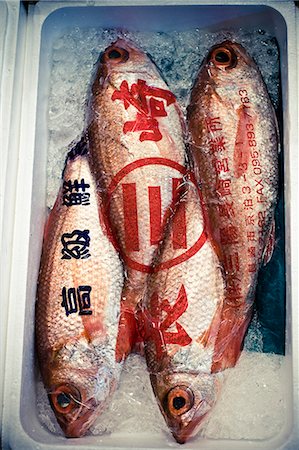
(21, 426)
(12, 21)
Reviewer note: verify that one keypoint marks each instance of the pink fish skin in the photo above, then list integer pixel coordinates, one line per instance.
(234, 143)
(181, 305)
(78, 303)
(135, 132)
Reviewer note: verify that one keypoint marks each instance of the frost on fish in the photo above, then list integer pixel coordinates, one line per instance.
(234, 142)
(180, 307)
(136, 137)
(77, 306)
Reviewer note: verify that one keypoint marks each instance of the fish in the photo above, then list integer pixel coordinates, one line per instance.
(234, 142)
(184, 294)
(136, 137)
(78, 302)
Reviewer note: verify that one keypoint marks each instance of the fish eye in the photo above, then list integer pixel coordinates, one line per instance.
(223, 57)
(65, 398)
(179, 400)
(115, 55)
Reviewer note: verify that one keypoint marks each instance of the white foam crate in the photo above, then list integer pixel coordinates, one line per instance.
(12, 32)
(21, 426)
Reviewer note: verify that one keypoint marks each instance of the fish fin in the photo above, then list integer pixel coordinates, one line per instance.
(77, 148)
(93, 327)
(230, 339)
(242, 148)
(269, 248)
(127, 332)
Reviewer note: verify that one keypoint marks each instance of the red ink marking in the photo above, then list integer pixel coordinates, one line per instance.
(144, 99)
(107, 225)
(242, 148)
(223, 187)
(221, 165)
(246, 189)
(249, 220)
(252, 252)
(155, 207)
(229, 235)
(179, 231)
(248, 204)
(252, 267)
(261, 219)
(213, 124)
(231, 263)
(130, 217)
(261, 199)
(251, 236)
(234, 290)
(226, 210)
(216, 145)
(155, 327)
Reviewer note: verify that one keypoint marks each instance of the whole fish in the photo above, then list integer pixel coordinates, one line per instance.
(135, 135)
(78, 303)
(181, 305)
(234, 142)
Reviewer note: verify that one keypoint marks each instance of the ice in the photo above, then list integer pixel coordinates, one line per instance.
(252, 404)
(177, 54)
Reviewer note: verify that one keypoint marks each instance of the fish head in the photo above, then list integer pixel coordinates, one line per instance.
(185, 399)
(119, 59)
(78, 393)
(227, 61)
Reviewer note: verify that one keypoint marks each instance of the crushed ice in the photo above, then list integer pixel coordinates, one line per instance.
(252, 403)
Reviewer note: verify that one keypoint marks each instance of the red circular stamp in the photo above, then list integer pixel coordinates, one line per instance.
(131, 245)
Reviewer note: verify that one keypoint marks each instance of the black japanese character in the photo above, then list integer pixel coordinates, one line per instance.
(75, 245)
(75, 193)
(74, 300)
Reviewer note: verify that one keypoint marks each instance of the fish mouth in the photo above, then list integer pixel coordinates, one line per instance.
(74, 415)
(80, 426)
(182, 433)
(185, 399)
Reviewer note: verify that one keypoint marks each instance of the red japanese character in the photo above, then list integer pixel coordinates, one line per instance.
(231, 262)
(234, 290)
(221, 165)
(252, 267)
(216, 145)
(249, 220)
(144, 99)
(223, 187)
(229, 235)
(156, 327)
(226, 210)
(248, 204)
(252, 251)
(251, 236)
(213, 124)
(261, 219)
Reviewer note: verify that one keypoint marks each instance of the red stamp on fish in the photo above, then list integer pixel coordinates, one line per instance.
(145, 213)
(149, 103)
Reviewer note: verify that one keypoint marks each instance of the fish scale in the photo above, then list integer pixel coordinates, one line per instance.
(234, 143)
(76, 351)
(178, 359)
(133, 118)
